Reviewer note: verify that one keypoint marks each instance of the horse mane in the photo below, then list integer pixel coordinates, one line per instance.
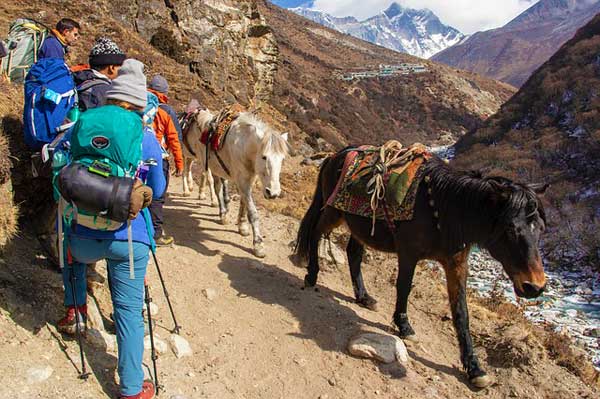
(272, 141)
(474, 208)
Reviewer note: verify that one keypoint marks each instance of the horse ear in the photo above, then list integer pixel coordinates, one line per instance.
(539, 188)
(285, 136)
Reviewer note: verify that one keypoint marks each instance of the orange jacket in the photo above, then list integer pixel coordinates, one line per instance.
(166, 134)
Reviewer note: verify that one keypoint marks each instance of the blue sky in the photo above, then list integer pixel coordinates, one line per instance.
(468, 16)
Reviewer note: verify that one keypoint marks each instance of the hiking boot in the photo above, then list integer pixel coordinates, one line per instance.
(68, 324)
(164, 241)
(148, 391)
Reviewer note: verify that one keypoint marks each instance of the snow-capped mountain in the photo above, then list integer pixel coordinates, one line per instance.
(416, 32)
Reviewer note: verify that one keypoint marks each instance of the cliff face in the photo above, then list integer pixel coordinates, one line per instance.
(226, 43)
(550, 131)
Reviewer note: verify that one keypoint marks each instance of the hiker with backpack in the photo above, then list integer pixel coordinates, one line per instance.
(56, 45)
(105, 59)
(168, 132)
(106, 215)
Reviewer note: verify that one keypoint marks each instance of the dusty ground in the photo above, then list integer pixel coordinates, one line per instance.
(262, 336)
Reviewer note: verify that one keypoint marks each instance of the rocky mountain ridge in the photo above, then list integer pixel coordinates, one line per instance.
(415, 32)
(511, 53)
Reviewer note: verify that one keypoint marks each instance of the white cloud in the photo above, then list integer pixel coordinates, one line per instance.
(468, 16)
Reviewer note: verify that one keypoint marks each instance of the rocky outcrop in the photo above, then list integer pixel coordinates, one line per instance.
(228, 44)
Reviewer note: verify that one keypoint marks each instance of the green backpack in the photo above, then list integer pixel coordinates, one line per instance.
(106, 151)
(25, 38)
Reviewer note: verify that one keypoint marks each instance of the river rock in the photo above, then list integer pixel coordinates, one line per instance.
(382, 347)
(160, 345)
(180, 346)
(592, 332)
(39, 374)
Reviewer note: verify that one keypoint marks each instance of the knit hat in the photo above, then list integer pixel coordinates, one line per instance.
(159, 84)
(130, 84)
(106, 52)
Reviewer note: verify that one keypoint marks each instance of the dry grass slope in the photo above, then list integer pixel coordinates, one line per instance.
(550, 131)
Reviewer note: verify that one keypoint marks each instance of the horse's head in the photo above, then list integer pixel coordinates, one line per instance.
(268, 162)
(521, 221)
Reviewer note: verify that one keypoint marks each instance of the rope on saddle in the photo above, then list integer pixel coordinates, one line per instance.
(390, 155)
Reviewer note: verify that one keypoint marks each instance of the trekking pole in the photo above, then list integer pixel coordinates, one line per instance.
(84, 374)
(152, 347)
(162, 282)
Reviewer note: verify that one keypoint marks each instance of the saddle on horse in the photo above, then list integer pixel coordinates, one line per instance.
(214, 136)
(380, 182)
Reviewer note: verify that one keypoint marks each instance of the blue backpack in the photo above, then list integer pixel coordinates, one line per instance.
(49, 95)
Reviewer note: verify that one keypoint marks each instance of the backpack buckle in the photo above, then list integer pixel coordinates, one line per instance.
(100, 168)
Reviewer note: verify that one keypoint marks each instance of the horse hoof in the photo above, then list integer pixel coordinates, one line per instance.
(244, 230)
(187, 194)
(483, 381)
(224, 220)
(259, 252)
(214, 204)
(368, 303)
(410, 338)
(202, 197)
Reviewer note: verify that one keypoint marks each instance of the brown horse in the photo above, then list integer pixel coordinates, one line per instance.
(453, 211)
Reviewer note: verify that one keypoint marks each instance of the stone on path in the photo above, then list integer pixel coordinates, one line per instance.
(102, 340)
(39, 374)
(180, 346)
(210, 293)
(153, 309)
(382, 347)
(160, 345)
(93, 314)
(331, 253)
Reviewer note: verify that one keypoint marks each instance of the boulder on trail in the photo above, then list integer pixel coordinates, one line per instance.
(39, 374)
(330, 253)
(180, 346)
(101, 340)
(382, 347)
(160, 345)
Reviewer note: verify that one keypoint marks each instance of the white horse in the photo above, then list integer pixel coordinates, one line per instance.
(251, 149)
(206, 182)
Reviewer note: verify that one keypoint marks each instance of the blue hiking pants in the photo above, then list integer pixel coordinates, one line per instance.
(127, 298)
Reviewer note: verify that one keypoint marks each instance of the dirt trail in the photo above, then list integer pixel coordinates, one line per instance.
(261, 336)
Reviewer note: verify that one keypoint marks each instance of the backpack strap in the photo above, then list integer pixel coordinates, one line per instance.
(88, 84)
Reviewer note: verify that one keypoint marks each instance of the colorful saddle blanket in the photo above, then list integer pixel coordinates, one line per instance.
(217, 132)
(401, 183)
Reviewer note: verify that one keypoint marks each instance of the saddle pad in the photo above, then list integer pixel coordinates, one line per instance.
(401, 185)
(218, 129)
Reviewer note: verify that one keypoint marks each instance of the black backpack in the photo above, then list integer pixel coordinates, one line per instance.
(91, 89)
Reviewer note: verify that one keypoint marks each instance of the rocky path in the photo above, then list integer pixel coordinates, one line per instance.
(254, 332)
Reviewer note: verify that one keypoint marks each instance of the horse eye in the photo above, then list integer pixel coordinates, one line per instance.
(264, 157)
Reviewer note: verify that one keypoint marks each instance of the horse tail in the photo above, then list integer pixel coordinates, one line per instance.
(311, 218)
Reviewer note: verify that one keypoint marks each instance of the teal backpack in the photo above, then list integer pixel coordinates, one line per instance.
(95, 187)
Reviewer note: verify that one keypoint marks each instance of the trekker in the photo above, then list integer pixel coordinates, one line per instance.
(105, 59)
(167, 130)
(57, 43)
(127, 95)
